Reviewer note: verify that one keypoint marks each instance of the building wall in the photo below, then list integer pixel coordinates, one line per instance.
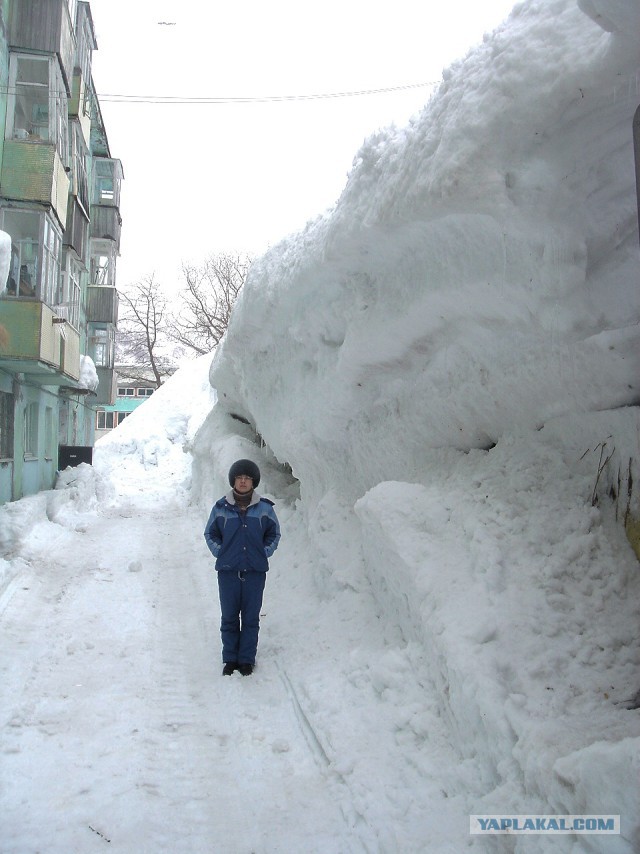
(34, 460)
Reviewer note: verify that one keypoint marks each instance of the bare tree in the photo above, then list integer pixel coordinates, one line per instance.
(207, 301)
(142, 330)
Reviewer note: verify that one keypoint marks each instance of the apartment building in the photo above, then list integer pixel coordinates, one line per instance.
(59, 203)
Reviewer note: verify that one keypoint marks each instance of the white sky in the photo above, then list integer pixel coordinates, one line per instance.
(202, 179)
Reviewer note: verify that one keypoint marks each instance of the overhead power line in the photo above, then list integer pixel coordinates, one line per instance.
(255, 99)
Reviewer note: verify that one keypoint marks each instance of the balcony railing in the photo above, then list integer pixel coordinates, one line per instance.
(40, 343)
(107, 386)
(33, 172)
(102, 304)
(106, 223)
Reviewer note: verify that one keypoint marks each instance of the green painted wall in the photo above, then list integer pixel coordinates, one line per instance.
(28, 473)
(4, 68)
(125, 404)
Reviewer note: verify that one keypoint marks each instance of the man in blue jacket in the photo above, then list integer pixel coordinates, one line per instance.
(242, 533)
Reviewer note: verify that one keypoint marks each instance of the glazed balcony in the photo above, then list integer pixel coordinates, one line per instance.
(80, 104)
(43, 26)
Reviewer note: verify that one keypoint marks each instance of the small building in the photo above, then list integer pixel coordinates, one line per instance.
(131, 391)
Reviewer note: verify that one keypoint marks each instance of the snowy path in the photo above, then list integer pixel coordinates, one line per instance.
(119, 733)
(120, 730)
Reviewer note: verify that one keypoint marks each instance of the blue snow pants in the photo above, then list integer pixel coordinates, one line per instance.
(240, 603)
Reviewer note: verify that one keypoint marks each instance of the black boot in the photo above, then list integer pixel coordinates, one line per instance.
(229, 667)
(245, 669)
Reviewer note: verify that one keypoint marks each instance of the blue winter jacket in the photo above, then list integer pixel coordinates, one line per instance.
(242, 541)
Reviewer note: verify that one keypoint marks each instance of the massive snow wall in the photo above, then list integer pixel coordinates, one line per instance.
(479, 272)
(476, 283)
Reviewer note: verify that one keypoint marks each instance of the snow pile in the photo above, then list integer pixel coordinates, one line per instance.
(438, 361)
(148, 451)
(30, 523)
(18, 518)
(526, 601)
(88, 374)
(478, 274)
(5, 263)
(143, 460)
(5, 259)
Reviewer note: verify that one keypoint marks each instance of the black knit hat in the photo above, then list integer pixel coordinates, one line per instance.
(246, 467)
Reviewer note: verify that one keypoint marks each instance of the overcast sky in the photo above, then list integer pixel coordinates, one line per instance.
(217, 177)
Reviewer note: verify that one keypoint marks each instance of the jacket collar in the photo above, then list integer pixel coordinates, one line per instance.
(255, 498)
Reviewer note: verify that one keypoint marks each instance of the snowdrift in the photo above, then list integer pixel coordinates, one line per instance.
(479, 272)
(448, 363)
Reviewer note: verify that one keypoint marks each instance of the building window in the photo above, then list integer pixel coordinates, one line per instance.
(103, 262)
(72, 11)
(107, 176)
(69, 305)
(31, 430)
(6, 425)
(36, 243)
(38, 101)
(86, 43)
(48, 433)
(102, 342)
(79, 160)
(51, 279)
(24, 269)
(109, 420)
(125, 391)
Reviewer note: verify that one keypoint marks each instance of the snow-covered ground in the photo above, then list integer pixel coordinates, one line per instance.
(439, 381)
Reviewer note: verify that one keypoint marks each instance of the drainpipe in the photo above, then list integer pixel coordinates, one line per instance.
(636, 151)
(18, 437)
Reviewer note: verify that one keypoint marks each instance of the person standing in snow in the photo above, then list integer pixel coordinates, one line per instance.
(242, 533)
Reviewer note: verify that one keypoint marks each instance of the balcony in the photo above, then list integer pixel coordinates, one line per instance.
(80, 105)
(40, 344)
(102, 304)
(33, 172)
(108, 383)
(106, 224)
(77, 229)
(43, 26)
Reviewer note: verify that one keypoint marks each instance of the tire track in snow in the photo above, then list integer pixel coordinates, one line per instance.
(352, 816)
(179, 760)
(311, 736)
